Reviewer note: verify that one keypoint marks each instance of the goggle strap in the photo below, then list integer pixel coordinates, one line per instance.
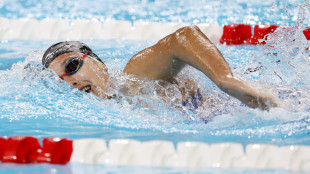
(62, 76)
(84, 56)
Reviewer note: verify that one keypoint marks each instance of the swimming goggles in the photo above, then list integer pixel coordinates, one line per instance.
(73, 66)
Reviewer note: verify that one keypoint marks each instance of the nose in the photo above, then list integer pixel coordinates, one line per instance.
(72, 82)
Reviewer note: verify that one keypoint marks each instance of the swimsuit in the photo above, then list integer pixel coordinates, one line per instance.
(194, 102)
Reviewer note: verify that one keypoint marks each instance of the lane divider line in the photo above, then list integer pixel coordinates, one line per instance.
(156, 153)
(79, 29)
(61, 29)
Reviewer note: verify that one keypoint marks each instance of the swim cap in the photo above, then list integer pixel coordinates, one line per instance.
(66, 47)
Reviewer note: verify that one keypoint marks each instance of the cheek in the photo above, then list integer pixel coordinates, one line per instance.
(92, 73)
(96, 69)
(81, 74)
(98, 75)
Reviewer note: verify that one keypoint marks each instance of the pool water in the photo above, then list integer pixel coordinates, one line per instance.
(98, 169)
(43, 105)
(202, 11)
(35, 102)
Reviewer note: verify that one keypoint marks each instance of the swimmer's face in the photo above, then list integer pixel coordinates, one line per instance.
(91, 77)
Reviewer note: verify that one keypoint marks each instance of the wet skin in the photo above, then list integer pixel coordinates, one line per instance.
(163, 61)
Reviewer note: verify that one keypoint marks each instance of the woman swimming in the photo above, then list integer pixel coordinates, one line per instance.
(75, 63)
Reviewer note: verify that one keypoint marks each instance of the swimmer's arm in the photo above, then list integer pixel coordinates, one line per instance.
(188, 45)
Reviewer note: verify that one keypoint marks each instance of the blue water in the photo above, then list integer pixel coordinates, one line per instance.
(43, 105)
(99, 169)
(36, 102)
(207, 11)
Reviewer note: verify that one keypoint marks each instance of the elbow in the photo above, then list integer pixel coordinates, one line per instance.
(185, 35)
(187, 31)
(179, 36)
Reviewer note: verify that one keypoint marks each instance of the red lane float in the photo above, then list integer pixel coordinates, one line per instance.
(307, 33)
(2, 147)
(19, 149)
(25, 149)
(236, 34)
(260, 31)
(56, 151)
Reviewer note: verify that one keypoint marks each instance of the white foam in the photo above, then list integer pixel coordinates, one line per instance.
(60, 29)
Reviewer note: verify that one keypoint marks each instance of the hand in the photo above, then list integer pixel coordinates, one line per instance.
(263, 102)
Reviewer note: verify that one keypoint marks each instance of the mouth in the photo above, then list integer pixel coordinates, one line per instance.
(86, 89)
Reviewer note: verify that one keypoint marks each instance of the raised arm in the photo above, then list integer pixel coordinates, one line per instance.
(189, 45)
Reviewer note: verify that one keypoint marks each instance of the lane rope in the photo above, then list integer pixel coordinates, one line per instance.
(157, 153)
(61, 29)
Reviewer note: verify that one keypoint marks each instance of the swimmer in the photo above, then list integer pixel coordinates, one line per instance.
(75, 63)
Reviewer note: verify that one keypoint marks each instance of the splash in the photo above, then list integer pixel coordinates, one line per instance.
(284, 58)
(284, 61)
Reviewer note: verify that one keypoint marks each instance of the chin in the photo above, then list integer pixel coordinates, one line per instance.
(99, 94)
